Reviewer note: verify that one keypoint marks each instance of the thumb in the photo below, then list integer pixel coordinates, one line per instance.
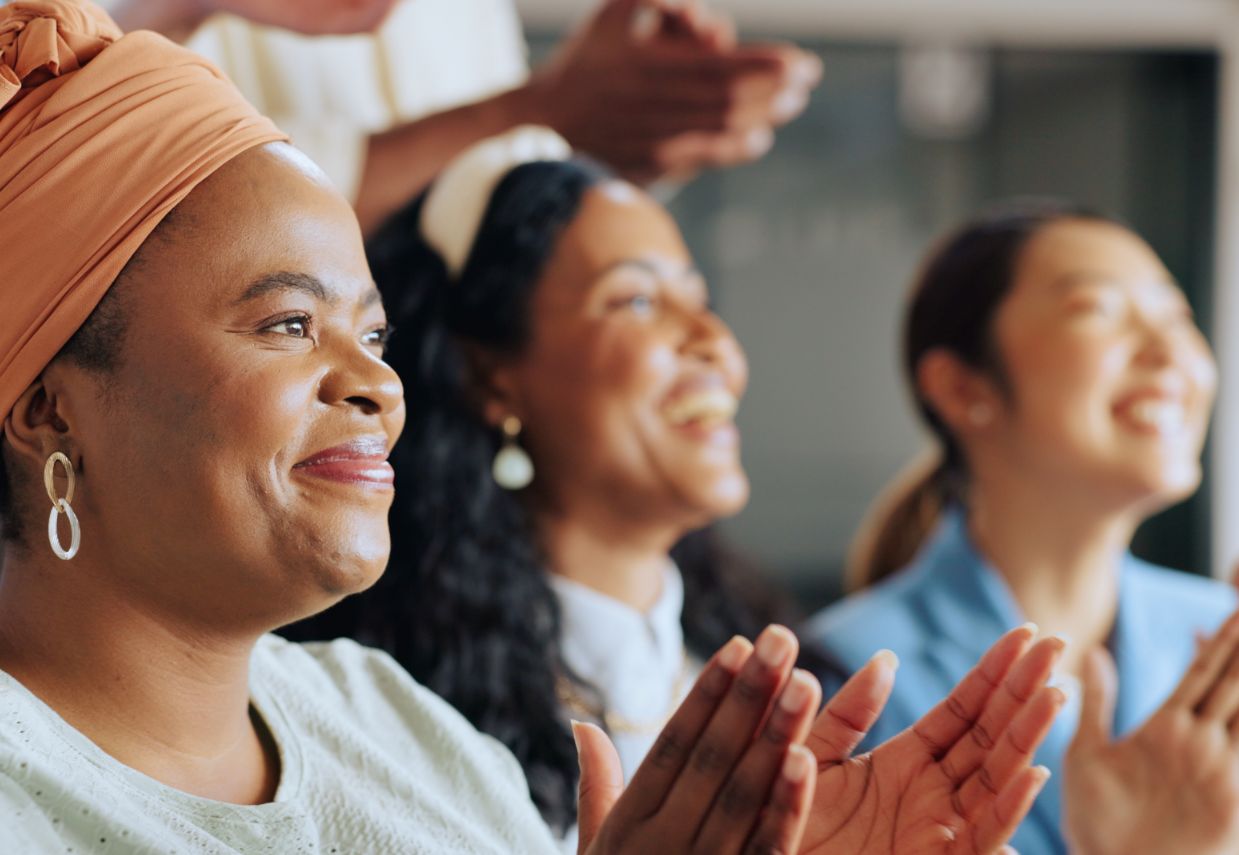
(602, 780)
(1100, 686)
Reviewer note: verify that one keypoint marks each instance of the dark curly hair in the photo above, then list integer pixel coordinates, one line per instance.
(466, 605)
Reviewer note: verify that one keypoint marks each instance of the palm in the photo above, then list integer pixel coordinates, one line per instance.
(1172, 785)
(944, 785)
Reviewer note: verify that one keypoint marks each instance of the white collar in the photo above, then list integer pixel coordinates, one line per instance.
(612, 645)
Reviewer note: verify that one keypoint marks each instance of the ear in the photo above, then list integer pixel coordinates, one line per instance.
(965, 399)
(493, 386)
(43, 419)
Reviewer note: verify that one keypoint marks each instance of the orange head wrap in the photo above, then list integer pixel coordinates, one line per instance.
(101, 135)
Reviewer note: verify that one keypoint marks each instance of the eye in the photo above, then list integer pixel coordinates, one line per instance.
(298, 326)
(378, 337)
(641, 303)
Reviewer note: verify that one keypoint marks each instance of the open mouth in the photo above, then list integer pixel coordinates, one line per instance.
(1163, 417)
(702, 408)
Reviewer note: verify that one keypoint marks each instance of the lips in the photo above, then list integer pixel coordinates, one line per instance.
(362, 461)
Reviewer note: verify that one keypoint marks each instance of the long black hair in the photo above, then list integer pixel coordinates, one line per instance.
(466, 605)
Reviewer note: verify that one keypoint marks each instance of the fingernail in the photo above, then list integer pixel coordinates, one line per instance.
(575, 736)
(759, 141)
(1032, 627)
(788, 104)
(1063, 638)
(797, 764)
(774, 646)
(734, 653)
(1043, 773)
(796, 693)
(887, 658)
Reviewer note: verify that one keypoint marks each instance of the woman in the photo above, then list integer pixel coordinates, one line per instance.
(190, 357)
(1068, 387)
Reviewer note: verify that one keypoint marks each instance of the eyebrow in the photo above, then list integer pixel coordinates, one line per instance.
(647, 266)
(302, 283)
(1088, 277)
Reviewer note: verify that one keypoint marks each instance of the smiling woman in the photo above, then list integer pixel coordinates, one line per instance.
(1068, 387)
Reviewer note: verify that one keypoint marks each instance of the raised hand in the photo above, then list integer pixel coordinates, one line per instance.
(672, 99)
(1172, 785)
(728, 774)
(958, 782)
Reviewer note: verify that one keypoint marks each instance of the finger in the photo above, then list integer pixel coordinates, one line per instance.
(615, 16)
(731, 730)
(602, 780)
(854, 709)
(943, 726)
(1099, 691)
(1221, 702)
(742, 798)
(1028, 675)
(1003, 816)
(1013, 752)
(782, 823)
(654, 777)
(1207, 666)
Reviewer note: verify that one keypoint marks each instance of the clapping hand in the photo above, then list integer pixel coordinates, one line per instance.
(1171, 785)
(958, 782)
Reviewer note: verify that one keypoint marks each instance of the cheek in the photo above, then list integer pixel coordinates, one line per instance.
(1067, 386)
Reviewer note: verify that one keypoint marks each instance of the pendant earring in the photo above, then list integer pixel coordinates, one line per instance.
(512, 469)
(60, 505)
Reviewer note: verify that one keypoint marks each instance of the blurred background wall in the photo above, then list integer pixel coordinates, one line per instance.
(928, 112)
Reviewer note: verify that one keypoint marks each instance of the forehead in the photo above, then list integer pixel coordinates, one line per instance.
(615, 222)
(267, 211)
(1070, 249)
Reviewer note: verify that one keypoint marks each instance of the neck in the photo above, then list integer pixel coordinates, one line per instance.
(168, 701)
(1059, 554)
(625, 563)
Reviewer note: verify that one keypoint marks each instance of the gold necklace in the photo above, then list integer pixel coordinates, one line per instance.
(578, 705)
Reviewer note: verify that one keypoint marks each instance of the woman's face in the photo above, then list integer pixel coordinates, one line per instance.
(1111, 381)
(235, 462)
(629, 386)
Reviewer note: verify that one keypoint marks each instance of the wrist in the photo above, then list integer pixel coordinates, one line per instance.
(533, 103)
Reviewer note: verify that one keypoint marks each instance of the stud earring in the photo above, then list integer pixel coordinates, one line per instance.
(60, 505)
(980, 415)
(512, 469)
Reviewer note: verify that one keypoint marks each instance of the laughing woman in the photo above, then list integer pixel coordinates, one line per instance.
(1069, 388)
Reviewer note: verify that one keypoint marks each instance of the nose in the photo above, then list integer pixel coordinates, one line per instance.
(709, 340)
(360, 379)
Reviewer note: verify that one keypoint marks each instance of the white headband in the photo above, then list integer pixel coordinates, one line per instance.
(456, 204)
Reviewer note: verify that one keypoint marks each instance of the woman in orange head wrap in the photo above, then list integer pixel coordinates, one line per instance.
(193, 396)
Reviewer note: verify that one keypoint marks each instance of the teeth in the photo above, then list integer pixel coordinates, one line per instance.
(1164, 416)
(708, 407)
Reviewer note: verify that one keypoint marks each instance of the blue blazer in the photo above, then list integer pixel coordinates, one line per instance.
(941, 613)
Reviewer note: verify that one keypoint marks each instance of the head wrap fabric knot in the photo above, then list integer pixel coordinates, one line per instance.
(40, 40)
(103, 136)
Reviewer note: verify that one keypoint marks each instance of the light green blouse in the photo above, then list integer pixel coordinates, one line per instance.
(371, 762)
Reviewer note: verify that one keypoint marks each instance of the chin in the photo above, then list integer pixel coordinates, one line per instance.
(727, 496)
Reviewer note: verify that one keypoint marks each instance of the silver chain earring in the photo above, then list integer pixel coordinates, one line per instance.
(512, 469)
(60, 505)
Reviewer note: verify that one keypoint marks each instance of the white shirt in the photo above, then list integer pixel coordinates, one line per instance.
(371, 762)
(330, 93)
(636, 661)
